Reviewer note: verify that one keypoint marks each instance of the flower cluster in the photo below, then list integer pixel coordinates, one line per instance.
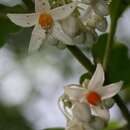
(74, 21)
(71, 22)
(86, 102)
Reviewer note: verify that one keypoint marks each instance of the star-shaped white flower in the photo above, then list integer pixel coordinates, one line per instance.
(93, 92)
(45, 21)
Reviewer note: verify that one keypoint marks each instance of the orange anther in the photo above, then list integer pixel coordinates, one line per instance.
(45, 20)
(93, 98)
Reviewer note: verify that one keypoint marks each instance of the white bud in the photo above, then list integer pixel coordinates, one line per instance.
(70, 26)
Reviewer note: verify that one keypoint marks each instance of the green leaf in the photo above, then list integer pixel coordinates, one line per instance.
(119, 62)
(15, 9)
(116, 9)
(6, 28)
(11, 119)
(30, 5)
(84, 76)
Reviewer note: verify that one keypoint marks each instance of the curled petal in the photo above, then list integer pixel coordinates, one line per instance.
(70, 26)
(42, 5)
(60, 35)
(101, 8)
(38, 35)
(110, 90)
(74, 92)
(63, 12)
(101, 112)
(82, 112)
(24, 20)
(97, 79)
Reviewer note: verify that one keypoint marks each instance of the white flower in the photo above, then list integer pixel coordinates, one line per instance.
(93, 93)
(45, 21)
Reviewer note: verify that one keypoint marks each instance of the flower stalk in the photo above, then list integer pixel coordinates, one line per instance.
(84, 60)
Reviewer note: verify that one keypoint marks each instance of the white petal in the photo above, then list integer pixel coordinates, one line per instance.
(59, 34)
(74, 92)
(102, 25)
(87, 1)
(97, 79)
(82, 112)
(101, 8)
(41, 5)
(70, 26)
(101, 112)
(91, 37)
(74, 125)
(24, 20)
(38, 35)
(62, 12)
(110, 90)
(97, 123)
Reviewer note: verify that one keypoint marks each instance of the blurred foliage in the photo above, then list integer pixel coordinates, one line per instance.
(30, 5)
(16, 9)
(112, 126)
(19, 41)
(6, 28)
(54, 129)
(119, 63)
(11, 119)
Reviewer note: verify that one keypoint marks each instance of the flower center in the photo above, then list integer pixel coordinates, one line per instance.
(45, 20)
(93, 98)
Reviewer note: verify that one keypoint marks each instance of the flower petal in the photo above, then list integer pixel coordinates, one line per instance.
(102, 24)
(101, 112)
(97, 123)
(74, 125)
(62, 12)
(97, 79)
(59, 34)
(38, 35)
(101, 8)
(24, 20)
(82, 112)
(110, 90)
(87, 1)
(74, 92)
(41, 5)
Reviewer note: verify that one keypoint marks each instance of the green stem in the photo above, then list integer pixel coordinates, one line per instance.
(108, 54)
(82, 58)
(111, 35)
